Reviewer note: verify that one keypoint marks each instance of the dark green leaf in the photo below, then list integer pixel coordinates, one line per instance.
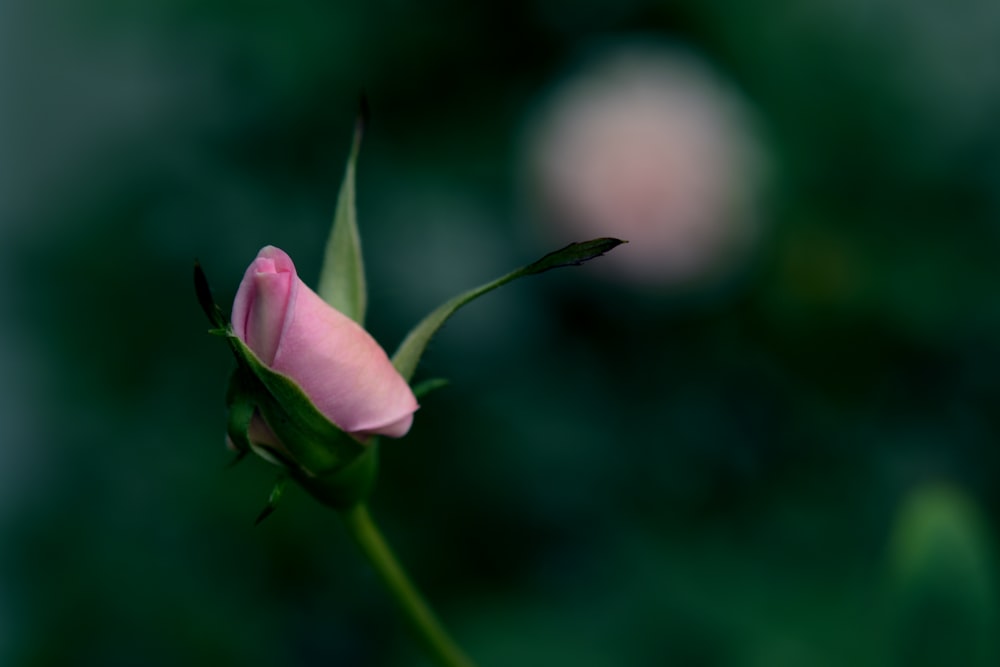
(204, 293)
(574, 254)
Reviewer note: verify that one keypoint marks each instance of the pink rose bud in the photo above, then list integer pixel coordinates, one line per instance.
(338, 365)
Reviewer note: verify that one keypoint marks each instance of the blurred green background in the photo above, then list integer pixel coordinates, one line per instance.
(792, 465)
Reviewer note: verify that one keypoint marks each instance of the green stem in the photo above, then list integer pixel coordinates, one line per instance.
(425, 623)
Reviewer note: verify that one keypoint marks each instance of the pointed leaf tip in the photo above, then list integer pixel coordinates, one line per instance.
(264, 513)
(342, 278)
(239, 456)
(272, 500)
(574, 254)
(421, 389)
(205, 300)
(364, 116)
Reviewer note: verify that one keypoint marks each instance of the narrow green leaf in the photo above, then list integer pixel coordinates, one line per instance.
(574, 254)
(407, 356)
(342, 278)
(205, 300)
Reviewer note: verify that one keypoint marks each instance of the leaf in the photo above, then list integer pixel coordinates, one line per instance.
(342, 278)
(574, 254)
(204, 293)
(407, 356)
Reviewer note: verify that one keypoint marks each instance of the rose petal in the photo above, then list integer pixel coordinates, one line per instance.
(342, 369)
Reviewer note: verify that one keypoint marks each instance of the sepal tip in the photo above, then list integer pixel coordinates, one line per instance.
(272, 500)
(575, 254)
(364, 116)
(205, 300)
(425, 387)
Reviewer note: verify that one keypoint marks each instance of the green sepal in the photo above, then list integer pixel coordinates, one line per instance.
(575, 254)
(342, 278)
(240, 455)
(348, 485)
(425, 387)
(272, 500)
(332, 466)
(241, 409)
(205, 300)
(407, 356)
(312, 441)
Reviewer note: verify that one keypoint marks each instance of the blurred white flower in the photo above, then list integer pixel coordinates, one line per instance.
(649, 145)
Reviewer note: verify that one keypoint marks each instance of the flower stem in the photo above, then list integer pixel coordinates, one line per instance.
(440, 645)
